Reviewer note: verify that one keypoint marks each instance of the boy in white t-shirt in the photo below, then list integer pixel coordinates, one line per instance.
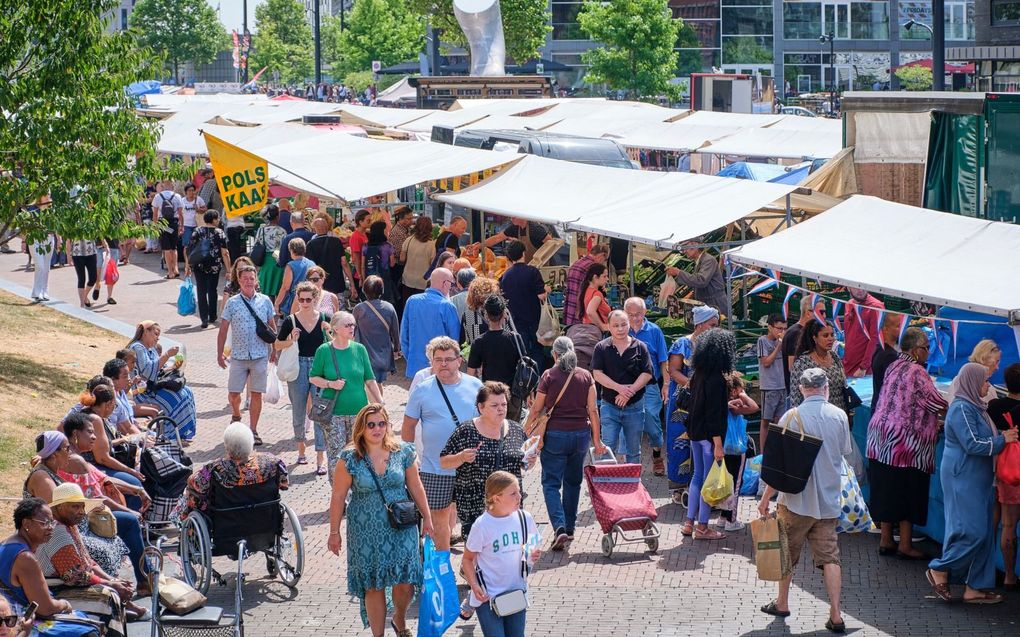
(503, 548)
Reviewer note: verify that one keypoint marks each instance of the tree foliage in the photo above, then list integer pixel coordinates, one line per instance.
(689, 56)
(283, 41)
(744, 50)
(915, 78)
(180, 30)
(638, 38)
(525, 24)
(375, 30)
(70, 139)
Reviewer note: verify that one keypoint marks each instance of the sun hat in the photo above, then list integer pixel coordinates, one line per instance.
(70, 493)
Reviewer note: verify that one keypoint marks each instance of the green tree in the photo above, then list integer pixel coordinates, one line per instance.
(689, 56)
(180, 30)
(525, 24)
(638, 37)
(915, 78)
(283, 41)
(375, 30)
(70, 132)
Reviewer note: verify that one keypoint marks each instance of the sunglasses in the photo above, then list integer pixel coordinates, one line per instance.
(9, 620)
(315, 279)
(382, 424)
(300, 300)
(348, 325)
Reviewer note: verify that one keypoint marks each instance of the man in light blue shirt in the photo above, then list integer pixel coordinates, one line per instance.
(426, 316)
(812, 514)
(427, 404)
(651, 335)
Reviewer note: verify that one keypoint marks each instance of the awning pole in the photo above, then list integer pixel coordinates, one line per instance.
(630, 265)
(729, 294)
(789, 212)
(743, 279)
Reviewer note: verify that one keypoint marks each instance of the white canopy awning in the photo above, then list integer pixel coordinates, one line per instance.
(341, 166)
(270, 112)
(777, 142)
(914, 253)
(662, 209)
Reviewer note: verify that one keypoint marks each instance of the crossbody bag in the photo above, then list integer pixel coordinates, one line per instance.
(402, 514)
(543, 418)
(262, 329)
(382, 320)
(511, 602)
(321, 410)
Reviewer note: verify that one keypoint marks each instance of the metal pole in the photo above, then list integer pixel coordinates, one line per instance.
(318, 46)
(832, 72)
(244, 31)
(630, 265)
(789, 212)
(729, 294)
(938, 45)
(743, 280)
(343, 23)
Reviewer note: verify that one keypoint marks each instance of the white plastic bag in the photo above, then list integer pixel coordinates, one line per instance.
(288, 365)
(666, 290)
(274, 387)
(548, 325)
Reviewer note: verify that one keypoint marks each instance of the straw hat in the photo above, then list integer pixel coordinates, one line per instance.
(70, 493)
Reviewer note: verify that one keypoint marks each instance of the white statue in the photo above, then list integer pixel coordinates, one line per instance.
(482, 24)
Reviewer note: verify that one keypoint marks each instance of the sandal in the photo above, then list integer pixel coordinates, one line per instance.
(986, 598)
(111, 301)
(688, 529)
(320, 470)
(941, 590)
(258, 439)
(772, 609)
(708, 534)
(835, 627)
(401, 633)
(658, 467)
(302, 460)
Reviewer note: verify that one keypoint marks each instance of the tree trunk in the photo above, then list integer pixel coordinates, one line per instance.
(177, 78)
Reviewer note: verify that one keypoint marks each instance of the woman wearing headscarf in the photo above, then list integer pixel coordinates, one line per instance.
(967, 474)
(901, 445)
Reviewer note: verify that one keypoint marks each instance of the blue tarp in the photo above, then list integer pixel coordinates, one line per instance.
(766, 172)
(968, 335)
(146, 87)
(793, 177)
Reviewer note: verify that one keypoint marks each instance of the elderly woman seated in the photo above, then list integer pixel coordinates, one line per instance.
(64, 555)
(240, 467)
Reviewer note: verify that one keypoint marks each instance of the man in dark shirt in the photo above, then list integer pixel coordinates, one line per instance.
(532, 235)
(884, 355)
(449, 239)
(495, 354)
(622, 366)
(1010, 404)
(297, 219)
(791, 340)
(326, 250)
(524, 290)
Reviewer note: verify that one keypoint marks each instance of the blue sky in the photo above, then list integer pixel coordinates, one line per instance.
(230, 13)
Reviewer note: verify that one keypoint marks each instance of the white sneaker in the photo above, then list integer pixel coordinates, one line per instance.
(733, 526)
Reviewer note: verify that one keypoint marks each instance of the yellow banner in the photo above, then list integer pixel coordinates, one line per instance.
(243, 178)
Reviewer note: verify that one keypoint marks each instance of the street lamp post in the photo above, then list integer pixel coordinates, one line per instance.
(831, 39)
(244, 31)
(318, 48)
(938, 49)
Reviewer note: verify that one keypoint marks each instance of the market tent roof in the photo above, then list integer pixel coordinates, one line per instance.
(172, 100)
(650, 207)
(270, 112)
(341, 166)
(772, 142)
(892, 248)
(752, 171)
(739, 120)
(400, 93)
(378, 116)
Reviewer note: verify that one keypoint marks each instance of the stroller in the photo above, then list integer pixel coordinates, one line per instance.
(621, 503)
(166, 469)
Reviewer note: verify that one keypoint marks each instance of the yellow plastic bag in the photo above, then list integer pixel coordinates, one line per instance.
(718, 485)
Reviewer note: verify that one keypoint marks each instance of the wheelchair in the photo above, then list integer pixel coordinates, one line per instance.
(253, 513)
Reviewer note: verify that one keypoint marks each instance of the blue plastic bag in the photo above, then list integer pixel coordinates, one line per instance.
(187, 302)
(752, 473)
(439, 606)
(736, 435)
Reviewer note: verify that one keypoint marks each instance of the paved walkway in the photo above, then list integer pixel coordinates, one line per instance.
(688, 588)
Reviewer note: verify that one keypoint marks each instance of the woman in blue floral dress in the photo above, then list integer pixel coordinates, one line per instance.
(383, 563)
(178, 405)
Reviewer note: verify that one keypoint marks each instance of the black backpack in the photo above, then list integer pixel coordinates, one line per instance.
(204, 253)
(167, 211)
(526, 374)
(374, 262)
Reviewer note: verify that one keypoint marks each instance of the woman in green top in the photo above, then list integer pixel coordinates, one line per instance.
(341, 368)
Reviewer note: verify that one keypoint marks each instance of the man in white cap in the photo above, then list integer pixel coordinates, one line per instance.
(812, 514)
(64, 556)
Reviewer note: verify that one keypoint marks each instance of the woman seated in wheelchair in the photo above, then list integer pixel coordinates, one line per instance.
(239, 467)
(64, 556)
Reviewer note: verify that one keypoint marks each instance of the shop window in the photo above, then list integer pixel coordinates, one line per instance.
(802, 20)
(747, 20)
(1005, 13)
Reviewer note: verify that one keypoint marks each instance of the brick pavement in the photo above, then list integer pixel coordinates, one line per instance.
(687, 588)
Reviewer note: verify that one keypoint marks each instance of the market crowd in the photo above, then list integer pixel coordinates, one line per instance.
(334, 307)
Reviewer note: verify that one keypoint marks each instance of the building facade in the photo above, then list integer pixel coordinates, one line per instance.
(117, 18)
(997, 50)
(780, 38)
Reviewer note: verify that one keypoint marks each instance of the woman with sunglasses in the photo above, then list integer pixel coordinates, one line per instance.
(304, 329)
(327, 302)
(378, 556)
(343, 372)
(20, 574)
(12, 625)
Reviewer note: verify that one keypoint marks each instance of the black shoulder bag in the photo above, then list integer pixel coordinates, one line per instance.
(402, 514)
(262, 330)
(453, 414)
(321, 410)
